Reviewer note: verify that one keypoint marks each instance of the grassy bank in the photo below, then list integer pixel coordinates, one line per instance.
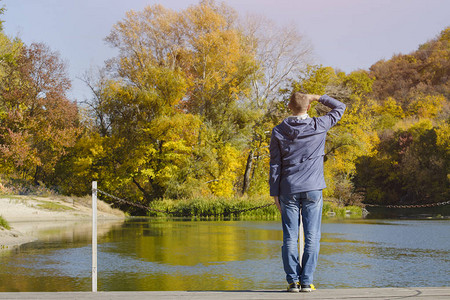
(216, 208)
(331, 209)
(4, 224)
(242, 208)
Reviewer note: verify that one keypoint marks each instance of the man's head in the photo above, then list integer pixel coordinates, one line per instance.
(299, 103)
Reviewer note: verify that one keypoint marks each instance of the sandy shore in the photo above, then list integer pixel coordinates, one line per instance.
(27, 213)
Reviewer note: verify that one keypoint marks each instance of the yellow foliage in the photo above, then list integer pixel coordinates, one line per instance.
(150, 173)
(180, 127)
(390, 107)
(415, 126)
(316, 80)
(169, 150)
(359, 82)
(352, 138)
(166, 174)
(427, 107)
(230, 161)
(443, 134)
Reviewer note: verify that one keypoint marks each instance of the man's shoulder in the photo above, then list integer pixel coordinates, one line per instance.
(277, 128)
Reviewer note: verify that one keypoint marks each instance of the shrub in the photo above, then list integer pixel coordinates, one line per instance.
(4, 223)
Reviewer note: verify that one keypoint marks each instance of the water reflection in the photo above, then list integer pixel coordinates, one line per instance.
(191, 243)
(181, 255)
(386, 253)
(58, 261)
(152, 254)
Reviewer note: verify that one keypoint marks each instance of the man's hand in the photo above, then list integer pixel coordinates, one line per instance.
(312, 98)
(277, 203)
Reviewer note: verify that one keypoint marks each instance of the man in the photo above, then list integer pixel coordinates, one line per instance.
(297, 148)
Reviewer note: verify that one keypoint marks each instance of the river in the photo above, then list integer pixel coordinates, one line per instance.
(157, 254)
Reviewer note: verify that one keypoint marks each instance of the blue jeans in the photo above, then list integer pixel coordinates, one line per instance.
(309, 204)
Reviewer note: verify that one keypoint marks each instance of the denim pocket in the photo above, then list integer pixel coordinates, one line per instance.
(314, 196)
(288, 199)
(284, 199)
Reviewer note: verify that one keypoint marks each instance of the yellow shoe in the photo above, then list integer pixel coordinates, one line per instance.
(308, 288)
(294, 287)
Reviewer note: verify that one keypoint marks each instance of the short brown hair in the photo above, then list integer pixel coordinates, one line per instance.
(298, 102)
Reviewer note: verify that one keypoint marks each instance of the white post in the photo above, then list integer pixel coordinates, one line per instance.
(301, 241)
(94, 236)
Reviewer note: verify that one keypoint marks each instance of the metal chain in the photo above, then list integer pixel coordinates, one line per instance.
(252, 208)
(265, 205)
(132, 203)
(400, 206)
(171, 212)
(410, 206)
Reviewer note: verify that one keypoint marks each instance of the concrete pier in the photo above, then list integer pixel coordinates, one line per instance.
(430, 293)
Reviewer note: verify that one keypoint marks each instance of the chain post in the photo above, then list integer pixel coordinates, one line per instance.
(94, 236)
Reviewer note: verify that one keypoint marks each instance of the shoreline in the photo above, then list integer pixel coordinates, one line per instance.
(27, 214)
(10, 238)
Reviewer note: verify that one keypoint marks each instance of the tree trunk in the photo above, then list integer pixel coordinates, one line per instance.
(144, 192)
(36, 176)
(248, 170)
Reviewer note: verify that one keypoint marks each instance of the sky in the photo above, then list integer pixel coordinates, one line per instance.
(345, 34)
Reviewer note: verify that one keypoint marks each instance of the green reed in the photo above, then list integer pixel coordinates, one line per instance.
(236, 208)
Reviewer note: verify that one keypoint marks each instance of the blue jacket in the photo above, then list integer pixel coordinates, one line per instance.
(297, 148)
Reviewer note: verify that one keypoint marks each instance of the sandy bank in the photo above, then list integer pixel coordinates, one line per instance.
(12, 238)
(27, 213)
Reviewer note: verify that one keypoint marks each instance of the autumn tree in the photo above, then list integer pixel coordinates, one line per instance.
(424, 71)
(411, 167)
(38, 122)
(167, 107)
(411, 116)
(281, 54)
